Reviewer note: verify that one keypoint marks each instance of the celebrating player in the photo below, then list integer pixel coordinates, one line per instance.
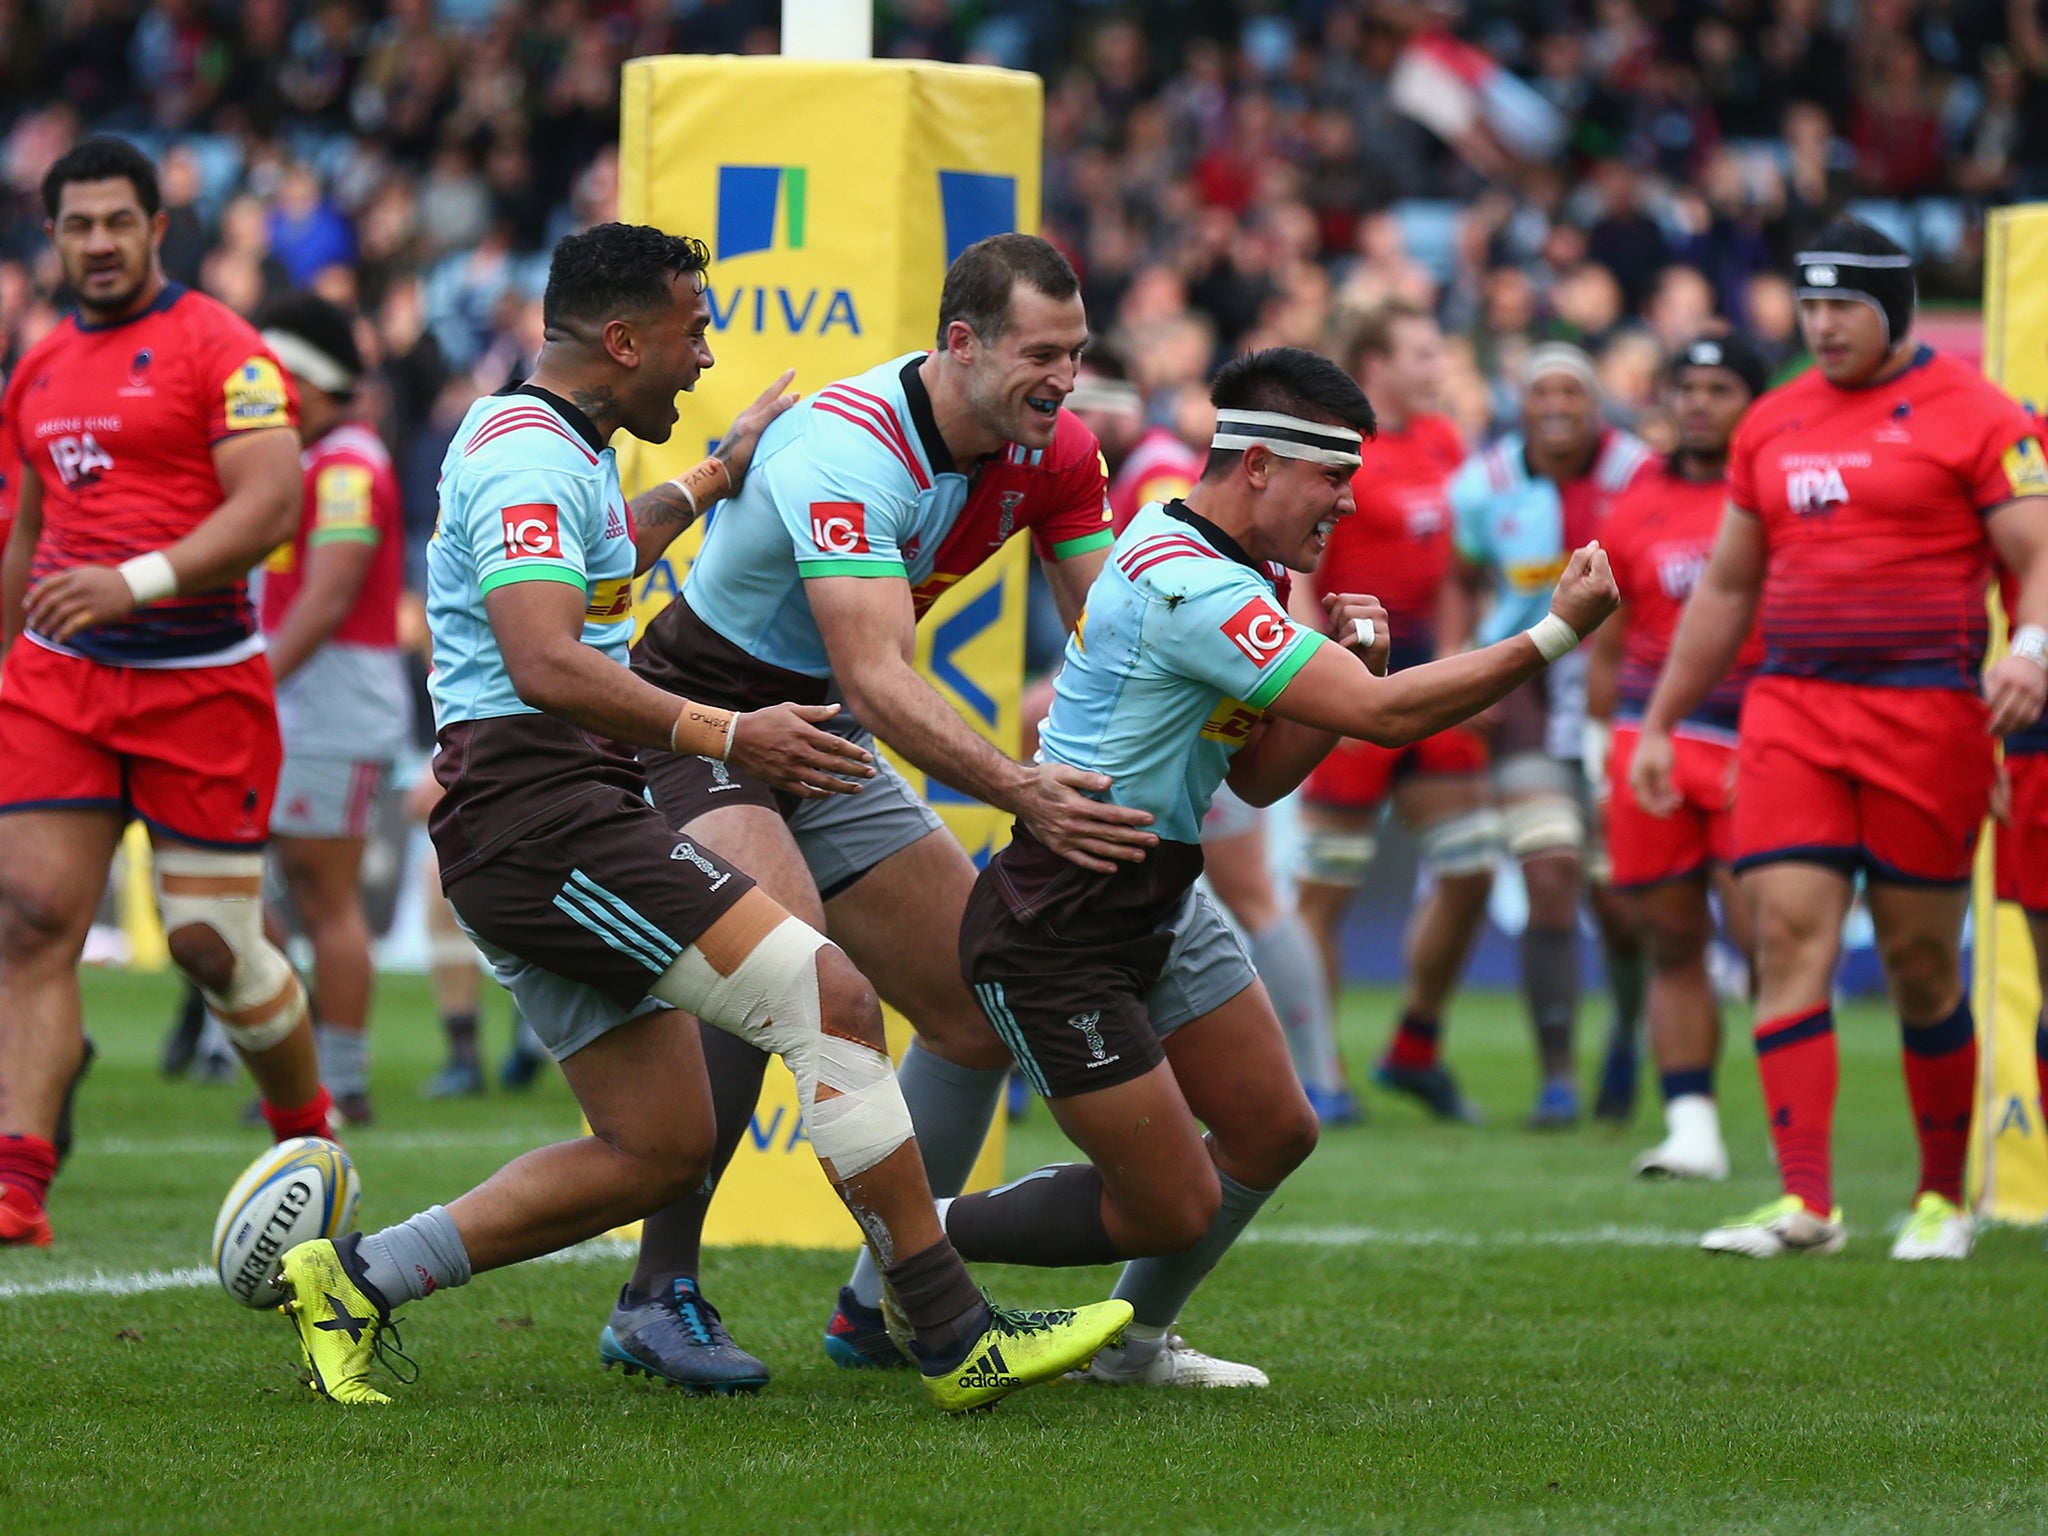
(1868, 501)
(1186, 668)
(1519, 507)
(1397, 546)
(1664, 857)
(597, 917)
(160, 462)
(330, 616)
(872, 497)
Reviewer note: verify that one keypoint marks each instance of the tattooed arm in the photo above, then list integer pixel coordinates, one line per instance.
(664, 511)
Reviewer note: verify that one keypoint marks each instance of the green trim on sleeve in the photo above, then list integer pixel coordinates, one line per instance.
(531, 570)
(810, 568)
(1088, 543)
(344, 536)
(1283, 674)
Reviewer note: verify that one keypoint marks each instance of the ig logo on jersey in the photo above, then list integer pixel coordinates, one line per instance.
(840, 527)
(532, 529)
(1259, 630)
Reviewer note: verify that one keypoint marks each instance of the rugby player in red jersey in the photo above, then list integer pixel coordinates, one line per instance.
(1397, 546)
(1657, 539)
(160, 462)
(2020, 806)
(330, 618)
(1870, 500)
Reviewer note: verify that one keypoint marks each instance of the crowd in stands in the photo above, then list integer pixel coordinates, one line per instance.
(1616, 172)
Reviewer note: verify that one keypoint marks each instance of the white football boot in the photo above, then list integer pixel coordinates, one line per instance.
(1692, 1147)
(1784, 1226)
(1937, 1229)
(1171, 1364)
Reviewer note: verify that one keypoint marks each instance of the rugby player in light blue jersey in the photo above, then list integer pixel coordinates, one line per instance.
(862, 503)
(1187, 670)
(601, 922)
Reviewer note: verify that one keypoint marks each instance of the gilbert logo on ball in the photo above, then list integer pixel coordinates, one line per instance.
(296, 1192)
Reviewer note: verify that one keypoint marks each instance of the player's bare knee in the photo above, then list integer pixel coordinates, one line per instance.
(1925, 974)
(203, 955)
(1673, 946)
(1172, 1219)
(847, 1004)
(35, 926)
(962, 1036)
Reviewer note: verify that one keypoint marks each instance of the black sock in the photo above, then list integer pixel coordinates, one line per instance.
(1550, 981)
(945, 1309)
(671, 1240)
(1051, 1218)
(460, 1028)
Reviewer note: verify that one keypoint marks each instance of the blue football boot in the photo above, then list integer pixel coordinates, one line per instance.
(678, 1338)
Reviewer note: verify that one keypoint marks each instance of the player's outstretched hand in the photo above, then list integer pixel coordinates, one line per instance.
(1360, 624)
(1058, 808)
(1649, 773)
(736, 448)
(2015, 689)
(783, 745)
(59, 606)
(1586, 593)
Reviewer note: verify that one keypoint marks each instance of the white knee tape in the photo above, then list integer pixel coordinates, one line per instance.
(1338, 858)
(771, 1000)
(450, 949)
(1468, 843)
(1545, 824)
(263, 1001)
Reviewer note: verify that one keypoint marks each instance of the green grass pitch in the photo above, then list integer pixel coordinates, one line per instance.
(1468, 1331)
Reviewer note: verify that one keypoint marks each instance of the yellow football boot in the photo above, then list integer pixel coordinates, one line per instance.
(337, 1320)
(1020, 1349)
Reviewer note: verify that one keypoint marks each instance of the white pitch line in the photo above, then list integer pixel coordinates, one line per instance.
(611, 1250)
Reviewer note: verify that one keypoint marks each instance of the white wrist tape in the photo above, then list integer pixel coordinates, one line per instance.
(1553, 637)
(2031, 641)
(149, 577)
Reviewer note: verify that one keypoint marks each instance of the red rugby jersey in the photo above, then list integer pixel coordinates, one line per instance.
(119, 423)
(1872, 504)
(10, 475)
(1397, 545)
(1057, 492)
(1658, 535)
(351, 497)
(1160, 468)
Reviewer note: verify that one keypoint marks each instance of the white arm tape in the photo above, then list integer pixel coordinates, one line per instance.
(149, 577)
(1553, 637)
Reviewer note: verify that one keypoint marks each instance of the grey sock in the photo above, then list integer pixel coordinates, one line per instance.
(1550, 982)
(344, 1059)
(1291, 966)
(951, 1108)
(416, 1258)
(1628, 980)
(1157, 1288)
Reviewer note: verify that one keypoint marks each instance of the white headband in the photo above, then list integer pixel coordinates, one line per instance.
(308, 364)
(1561, 357)
(1105, 395)
(1289, 436)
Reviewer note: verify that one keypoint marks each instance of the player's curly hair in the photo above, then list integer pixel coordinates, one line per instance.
(102, 158)
(1294, 382)
(614, 270)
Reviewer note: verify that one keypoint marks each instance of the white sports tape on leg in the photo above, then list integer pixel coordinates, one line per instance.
(1337, 858)
(451, 949)
(771, 1000)
(263, 1001)
(1543, 824)
(1465, 844)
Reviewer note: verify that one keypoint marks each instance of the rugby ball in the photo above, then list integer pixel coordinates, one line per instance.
(297, 1191)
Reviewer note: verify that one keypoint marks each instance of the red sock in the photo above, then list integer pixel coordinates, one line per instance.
(28, 1163)
(309, 1119)
(1941, 1085)
(1416, 1043)
(1801, 1068)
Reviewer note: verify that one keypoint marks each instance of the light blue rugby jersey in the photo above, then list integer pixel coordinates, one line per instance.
(852, 481)
(1513, 523)
(1180, 649)
(527, 494)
